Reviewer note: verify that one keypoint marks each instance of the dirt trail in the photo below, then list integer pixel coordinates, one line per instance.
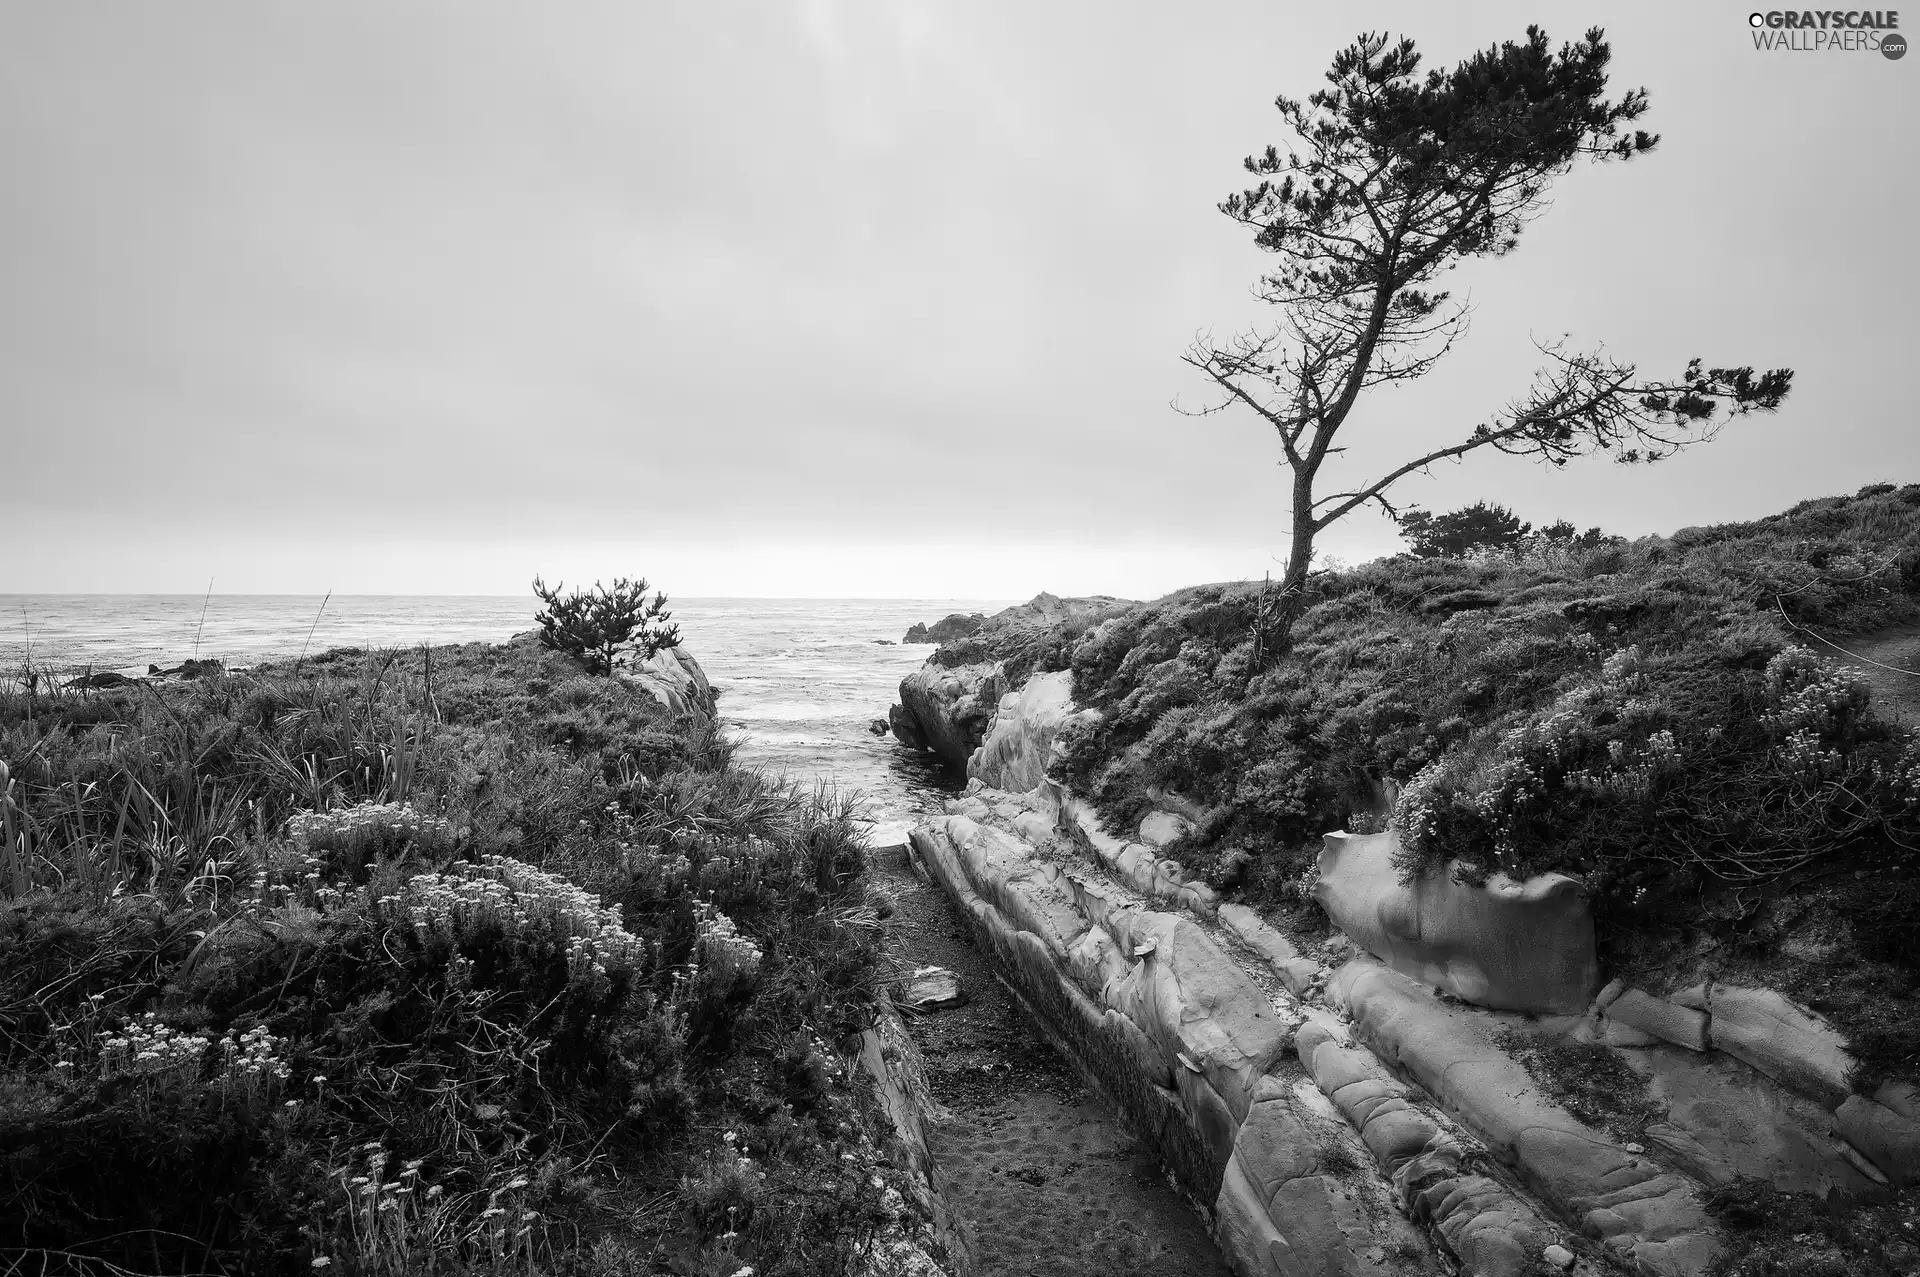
(1889, 660)
(1048, 1181)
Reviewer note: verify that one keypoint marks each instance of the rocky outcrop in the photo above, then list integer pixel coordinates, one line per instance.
(955, 625)
(1638, 1209)
(948, 704)
(672, 677)
(950, 710)
(890, 1060)
(1516, 946)
(1019, 748)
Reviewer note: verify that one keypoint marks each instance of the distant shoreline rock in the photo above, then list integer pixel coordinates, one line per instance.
(954, 625)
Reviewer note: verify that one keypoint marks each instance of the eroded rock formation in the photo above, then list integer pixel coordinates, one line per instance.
(1343, 1112)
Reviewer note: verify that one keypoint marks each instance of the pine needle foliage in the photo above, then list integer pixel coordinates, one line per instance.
(605, 628)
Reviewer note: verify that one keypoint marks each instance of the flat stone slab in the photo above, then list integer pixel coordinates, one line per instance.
(932, 989)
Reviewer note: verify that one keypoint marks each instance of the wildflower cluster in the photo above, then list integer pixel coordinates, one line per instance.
(351, 832)
(149, 1049)
(1813, 697)
(252, 1068)
(527, 904)
(384, 1225)
(731, 958)
(1900, 779)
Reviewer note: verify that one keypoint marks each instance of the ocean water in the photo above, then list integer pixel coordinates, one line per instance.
(801, 679)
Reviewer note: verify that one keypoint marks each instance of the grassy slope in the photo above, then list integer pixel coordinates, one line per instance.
(1641, 715)
(540, 1085)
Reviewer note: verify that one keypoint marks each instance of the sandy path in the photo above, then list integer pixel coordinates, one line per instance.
(1889, 660)
(1049, 1182)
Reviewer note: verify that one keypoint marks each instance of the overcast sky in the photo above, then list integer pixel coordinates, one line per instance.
(875, 298)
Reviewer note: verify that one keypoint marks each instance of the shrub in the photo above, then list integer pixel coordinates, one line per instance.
(605, 628)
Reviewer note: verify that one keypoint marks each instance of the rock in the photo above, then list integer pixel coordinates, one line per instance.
(905, 729)
(1782, 1039)
(1667, 1021)
(933, 989)
(1295, 971)
(1508, 945)
(672, 677)
(1192, 998)
(1890, 1140)
(191, 669)
(955, 625)
(1724, 1121)
(1016, 752)
(1902, 1097)
(101, 679)
(878, 727)
(1159, 828)
(1644, 1214)
(953, 707)
(1557, 1255)
(883, 642)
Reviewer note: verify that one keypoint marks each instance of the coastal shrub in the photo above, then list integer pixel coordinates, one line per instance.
(277, 927)
(1638, 713)
(606, 627)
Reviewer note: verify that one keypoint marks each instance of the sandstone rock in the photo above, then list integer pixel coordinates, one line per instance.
(1782, 1039)
(1667, 1021)
(1192, 998)
(672, 677)
(1294, 971)
(952, 708)
(1513, 946)
(1642, 1213)
(1724, 1121)
(1159, 828)
(1019, 747)
(1890, 1140)
(889, 1057)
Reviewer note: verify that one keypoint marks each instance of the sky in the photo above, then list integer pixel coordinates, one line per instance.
(840, 297)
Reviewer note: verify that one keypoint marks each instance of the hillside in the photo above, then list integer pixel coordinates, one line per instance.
(1666, 720)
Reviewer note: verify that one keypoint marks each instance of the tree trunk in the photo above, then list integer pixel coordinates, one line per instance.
(1278, 630)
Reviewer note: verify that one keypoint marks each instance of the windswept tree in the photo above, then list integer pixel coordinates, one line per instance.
(1394, 179)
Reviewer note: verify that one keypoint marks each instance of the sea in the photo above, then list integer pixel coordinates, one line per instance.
(803, 681)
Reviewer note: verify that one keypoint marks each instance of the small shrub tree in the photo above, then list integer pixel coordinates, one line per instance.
(605, 628)
(1458, 533)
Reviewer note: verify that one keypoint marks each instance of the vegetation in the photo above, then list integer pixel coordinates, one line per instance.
(605, 628)
(1479, 528)
(1652, 717)
(1398, 179)
(476, 965)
